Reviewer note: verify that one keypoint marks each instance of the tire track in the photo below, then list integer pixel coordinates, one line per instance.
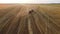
(4, 20)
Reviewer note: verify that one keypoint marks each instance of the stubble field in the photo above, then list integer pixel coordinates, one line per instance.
(30, 19)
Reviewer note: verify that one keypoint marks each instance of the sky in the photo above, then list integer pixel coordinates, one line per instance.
(29, 1)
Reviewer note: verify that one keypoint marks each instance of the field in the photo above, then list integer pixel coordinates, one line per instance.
(30, 19)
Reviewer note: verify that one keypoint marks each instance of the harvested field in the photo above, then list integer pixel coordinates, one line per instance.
(29, 19)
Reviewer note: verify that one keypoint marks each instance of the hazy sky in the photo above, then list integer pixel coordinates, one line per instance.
(29, 1)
